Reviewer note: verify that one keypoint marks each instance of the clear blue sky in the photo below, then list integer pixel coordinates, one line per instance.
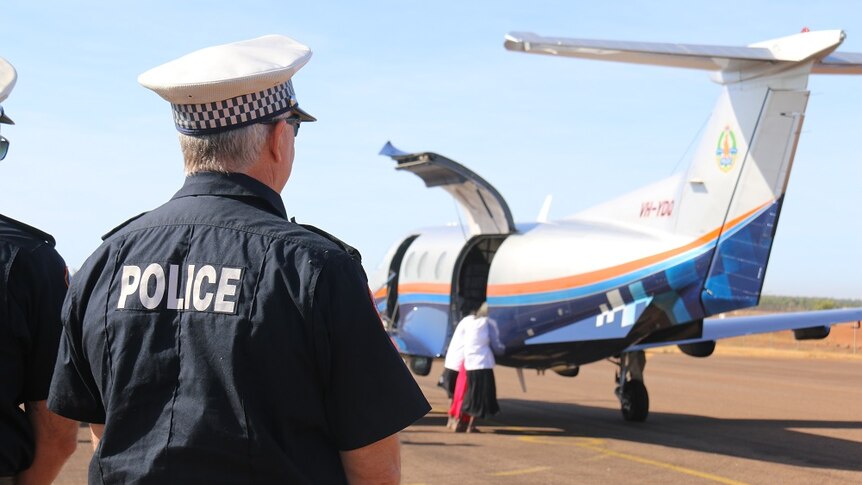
(91, 147)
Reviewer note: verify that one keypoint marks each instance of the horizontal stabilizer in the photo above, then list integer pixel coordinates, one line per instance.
(719, 328)
(839, 63)
(789, 50)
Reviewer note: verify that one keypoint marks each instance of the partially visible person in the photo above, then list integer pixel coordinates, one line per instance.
(34, 442)
(217, 340)
(481, 342)
(458, 419)
(453, 362)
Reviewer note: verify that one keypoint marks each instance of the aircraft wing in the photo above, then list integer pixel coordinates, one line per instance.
(719, 328)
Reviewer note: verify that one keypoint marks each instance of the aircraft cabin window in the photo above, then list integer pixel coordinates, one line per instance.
(421, 264)
(407, 265)
(439, 264)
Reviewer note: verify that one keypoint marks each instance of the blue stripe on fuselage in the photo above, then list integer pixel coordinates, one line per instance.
(600, 287)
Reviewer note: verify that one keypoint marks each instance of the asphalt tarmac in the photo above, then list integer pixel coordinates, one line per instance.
(727, 419)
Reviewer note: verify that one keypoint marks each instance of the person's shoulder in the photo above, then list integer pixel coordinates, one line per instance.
(34, 248)
(465, 322)
(23, 235)
(476, 322)
(124, 225)
(97, 259)
(305, 240)
(329, 242)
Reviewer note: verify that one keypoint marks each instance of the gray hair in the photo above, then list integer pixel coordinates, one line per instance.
(227, 152)
(483, 310)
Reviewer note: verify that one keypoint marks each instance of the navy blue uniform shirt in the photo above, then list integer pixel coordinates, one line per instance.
(32, 287)
(221, 343)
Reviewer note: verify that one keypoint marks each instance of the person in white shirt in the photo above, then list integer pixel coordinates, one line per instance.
(481, 340)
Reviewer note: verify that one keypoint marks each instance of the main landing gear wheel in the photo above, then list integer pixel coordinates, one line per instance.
(634, 401)
(631, 391)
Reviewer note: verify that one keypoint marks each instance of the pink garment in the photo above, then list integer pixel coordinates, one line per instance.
(460, 390)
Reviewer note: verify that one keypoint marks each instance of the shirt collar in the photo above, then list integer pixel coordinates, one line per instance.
(234, 185)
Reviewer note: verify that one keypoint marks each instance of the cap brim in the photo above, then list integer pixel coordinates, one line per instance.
(8, 120)
(303, 116)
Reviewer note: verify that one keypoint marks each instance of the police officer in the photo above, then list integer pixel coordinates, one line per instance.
(217, 341)
(34, 442)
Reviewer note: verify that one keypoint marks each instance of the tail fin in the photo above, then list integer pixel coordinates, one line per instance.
(736, 182)
(732, 191)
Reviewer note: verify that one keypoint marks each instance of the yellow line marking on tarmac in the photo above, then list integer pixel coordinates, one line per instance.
(597, 445)
(524, 471)
(525, 429)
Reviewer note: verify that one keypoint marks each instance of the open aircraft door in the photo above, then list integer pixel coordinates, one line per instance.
(484, 207)
(443, 273)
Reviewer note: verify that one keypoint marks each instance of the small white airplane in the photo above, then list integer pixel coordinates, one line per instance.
(643, 270)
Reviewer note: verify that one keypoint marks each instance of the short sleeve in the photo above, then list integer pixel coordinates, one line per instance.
(369, 393)
(74, 393)
(37, 286)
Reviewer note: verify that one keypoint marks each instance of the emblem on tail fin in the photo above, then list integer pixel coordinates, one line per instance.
(725, 150)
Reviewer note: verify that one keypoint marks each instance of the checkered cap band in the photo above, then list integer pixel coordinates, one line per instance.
(215, 117)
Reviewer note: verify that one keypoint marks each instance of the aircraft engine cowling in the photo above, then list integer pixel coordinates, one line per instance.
(698, 349)
(811, 333)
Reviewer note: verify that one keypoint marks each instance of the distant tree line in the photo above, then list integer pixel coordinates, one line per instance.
(772, 303)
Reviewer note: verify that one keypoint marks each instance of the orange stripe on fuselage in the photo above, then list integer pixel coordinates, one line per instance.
(434, 288)
(614, 271)
(381, 293)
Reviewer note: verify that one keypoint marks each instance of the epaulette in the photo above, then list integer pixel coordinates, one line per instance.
(30, 230)
(114, 230)
(350, 250)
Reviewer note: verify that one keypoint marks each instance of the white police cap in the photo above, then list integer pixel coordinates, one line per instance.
(232, 85)
(8, 76)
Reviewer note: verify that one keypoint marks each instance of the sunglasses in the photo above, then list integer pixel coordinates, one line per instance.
(4, 143)
(291, 120)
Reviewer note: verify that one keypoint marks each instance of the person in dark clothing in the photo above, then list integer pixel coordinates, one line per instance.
(34, 442)
(214, 340)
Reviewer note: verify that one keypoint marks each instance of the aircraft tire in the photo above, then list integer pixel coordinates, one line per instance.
(421, 366)
(635, 401)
